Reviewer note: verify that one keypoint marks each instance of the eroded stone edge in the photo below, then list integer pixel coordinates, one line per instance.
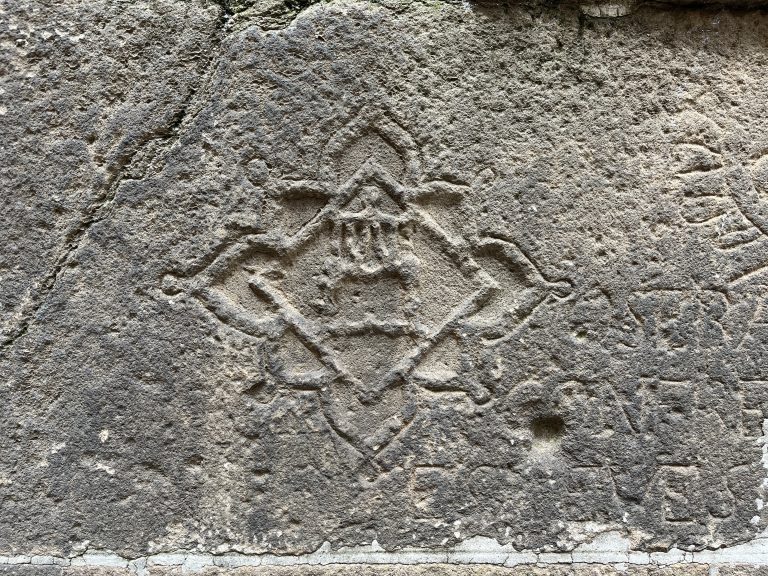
(607, 548)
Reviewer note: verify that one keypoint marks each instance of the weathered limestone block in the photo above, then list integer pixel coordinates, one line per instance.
(383, 276)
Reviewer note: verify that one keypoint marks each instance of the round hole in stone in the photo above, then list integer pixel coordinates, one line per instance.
(547, 429)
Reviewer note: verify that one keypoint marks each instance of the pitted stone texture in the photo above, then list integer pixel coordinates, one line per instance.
(88, 89)
(403, 274)
(91, 93)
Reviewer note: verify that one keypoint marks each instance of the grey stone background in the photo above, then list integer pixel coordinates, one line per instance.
(608, 172)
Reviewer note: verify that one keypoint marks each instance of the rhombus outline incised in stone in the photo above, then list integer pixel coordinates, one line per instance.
(362, 295)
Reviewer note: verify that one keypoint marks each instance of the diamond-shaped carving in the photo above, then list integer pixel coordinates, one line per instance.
(365, 293)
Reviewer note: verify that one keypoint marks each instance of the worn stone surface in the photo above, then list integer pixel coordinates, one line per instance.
(275, 275)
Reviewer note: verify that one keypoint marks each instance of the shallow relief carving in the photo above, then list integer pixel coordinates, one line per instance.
(696, 340)
(703, 341)
(364, 288)
(721, 176)
(462, 383)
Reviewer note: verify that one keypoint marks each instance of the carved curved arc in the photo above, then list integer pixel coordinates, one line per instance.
(232, 304)
(206, 269)
(373, 124)
(216, 259)
(224, 310)
(509, 252)
(270, 245)
(521, 288)
(747, 198)
(291, 205)
(561, 288)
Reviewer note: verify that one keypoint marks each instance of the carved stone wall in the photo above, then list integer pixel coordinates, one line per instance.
(382, 283)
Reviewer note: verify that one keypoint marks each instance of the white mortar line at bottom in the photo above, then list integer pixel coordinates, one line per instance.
(608, 548)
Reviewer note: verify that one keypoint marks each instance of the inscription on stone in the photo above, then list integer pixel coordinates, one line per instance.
(364, 294)
(293, 277)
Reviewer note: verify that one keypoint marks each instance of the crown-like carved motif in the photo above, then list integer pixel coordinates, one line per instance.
(363, 293)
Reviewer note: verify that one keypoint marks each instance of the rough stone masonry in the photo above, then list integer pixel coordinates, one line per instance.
(287, 285)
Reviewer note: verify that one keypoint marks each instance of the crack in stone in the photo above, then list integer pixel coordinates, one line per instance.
(120, 171)
(98, 210)
(284, 15)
